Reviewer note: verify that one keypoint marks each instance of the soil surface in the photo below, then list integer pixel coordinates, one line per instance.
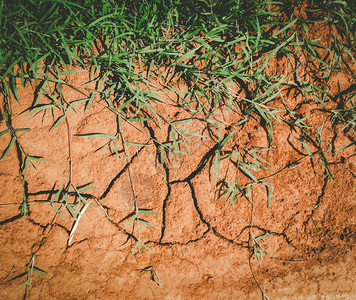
(201, 247)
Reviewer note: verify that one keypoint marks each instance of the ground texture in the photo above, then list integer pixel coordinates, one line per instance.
(200, 248)
(119, 208)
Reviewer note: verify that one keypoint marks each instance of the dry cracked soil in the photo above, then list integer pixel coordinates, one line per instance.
(201, 247)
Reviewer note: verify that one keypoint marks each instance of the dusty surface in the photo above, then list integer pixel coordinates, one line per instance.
(200, 248)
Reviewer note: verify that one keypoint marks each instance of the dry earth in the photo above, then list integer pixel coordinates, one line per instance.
(200, 248)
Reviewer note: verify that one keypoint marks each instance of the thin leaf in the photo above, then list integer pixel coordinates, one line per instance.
(38, 158)
(57, 122)
(42, 86)
(38, 271)
(325, 165)
(4, 132)
(136, 144)
(345, 147)
(57, 194)
(146, 223)
(8, 148)
(147, 212)
(245, 169)
(188, 54)
(305, 145)
(71, 210)
(145, 246)
(134, 217)
(263, 236)
(25, 284)
(80, 190)
(24, 206)
(269, 189)
(216, 166)
(21, 129)
(134, 249)
(95, 135)
(226, 139)
(181, 131)
(57, 210)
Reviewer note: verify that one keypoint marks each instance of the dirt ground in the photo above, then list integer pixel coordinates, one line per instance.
(200, 248)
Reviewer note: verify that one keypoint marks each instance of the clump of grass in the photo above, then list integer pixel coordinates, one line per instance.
(215, 56)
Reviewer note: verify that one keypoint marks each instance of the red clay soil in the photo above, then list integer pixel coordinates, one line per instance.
(201, 247)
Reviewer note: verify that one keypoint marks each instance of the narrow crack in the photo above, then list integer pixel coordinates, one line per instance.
(11, 219)
(201, 164)
(196, 205)
(160, 243)
(166, 172)
(210, 227)
(164, 207)
(33, 222)
(317, 204)
(288, 240)
(122, 171)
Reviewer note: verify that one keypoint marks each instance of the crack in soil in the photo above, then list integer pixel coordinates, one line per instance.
(47, 229)
(118, 175)
(11, 219)
(164, 204)
(317, 204)
(166, 172)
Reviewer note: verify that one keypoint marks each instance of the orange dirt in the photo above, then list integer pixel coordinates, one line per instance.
(200, 249)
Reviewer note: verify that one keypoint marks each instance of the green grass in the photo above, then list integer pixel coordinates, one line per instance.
(213, 55)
